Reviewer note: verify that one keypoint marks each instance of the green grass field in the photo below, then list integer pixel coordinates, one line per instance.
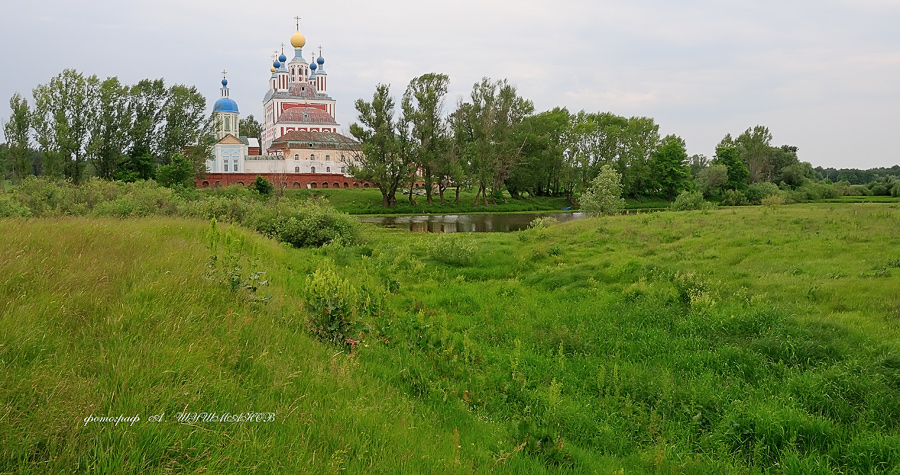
(740, 340)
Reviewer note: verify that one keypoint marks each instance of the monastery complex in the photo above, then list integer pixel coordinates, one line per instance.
(301, 146)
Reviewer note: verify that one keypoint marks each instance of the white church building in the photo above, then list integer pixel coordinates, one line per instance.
(301, 146)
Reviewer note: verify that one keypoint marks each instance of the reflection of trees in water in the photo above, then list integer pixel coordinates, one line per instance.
(479, 223)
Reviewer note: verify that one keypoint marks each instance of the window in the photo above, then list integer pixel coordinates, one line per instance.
(312, 156)
(342, 170)
(327, 158)
(327, 169)
(296, 156)
(226, 165)
(313, 170)
(342, 158)
(296, 169)
(235, 165)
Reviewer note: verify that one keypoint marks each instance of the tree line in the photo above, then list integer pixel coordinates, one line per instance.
(78, 126)
(494, 141)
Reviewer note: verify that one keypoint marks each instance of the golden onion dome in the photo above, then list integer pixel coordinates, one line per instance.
(272, 69)
(298, 40)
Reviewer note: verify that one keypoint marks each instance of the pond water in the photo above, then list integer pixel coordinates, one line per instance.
(467, 223)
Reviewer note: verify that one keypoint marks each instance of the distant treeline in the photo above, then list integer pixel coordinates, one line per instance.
(855, 176)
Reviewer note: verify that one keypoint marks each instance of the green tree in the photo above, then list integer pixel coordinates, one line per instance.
(384, 160)
(263, 186)
(63, 117)
(738, 173)
(422, 105)
(669, 167)
(697, 163)
(541, 169)
(605, 193)
(146, 107)
(186, 123)
(250, 127)
(179, 172)
(755, 149)
(712, 178)
(640, 139)
(491, 117)
(110, 131)
(797, 174)
(592, 141)
(16, 131)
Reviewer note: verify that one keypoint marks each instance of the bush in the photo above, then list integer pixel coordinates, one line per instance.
(453, 249)
(759, 191)
(312, 225)
(179, 172)
(263, 186)
(10, 208)
(605, 193)
(773, 201)
(690, 201)
(332, 306)
(543, 222)
(734, 198)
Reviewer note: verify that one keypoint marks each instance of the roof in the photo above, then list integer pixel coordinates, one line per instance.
(305, 138)
(225, 104)
(305, 114)
(230, 139)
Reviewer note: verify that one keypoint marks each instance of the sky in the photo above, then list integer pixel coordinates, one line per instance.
(822, 75)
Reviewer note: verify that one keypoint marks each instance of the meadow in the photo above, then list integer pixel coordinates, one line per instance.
(735, 340)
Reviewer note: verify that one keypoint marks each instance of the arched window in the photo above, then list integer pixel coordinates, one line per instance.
(296, 156)
(313, 170)
(327, 158)
(296, 169)
(312, 156)
(327, 169)
(324, 185)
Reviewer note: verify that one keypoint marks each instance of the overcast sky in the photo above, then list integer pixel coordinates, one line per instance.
(823, 75)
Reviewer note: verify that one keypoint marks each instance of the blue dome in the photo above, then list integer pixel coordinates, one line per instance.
(313, 66)
(282, 58)
(321, 60)
(276, 65)
(224, 83)
(225, 104)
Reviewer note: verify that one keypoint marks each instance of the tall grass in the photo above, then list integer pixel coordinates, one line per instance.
(749, 340)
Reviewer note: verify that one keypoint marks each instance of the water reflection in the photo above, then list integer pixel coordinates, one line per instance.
(466, 223)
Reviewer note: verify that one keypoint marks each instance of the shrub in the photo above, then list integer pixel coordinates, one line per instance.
(453, 249)
(773, 201)
(543, 222)
(10, 208)
(311, 225)
(263, 186)
(690, 201)
(605, 193)
(734, 198)
(179, 172)
(332, 306)
(759, 191)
